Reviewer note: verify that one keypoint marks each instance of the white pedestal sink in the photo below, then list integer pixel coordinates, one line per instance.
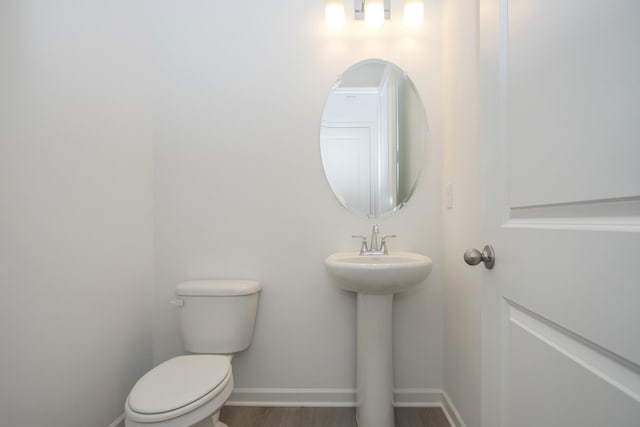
(376, 278)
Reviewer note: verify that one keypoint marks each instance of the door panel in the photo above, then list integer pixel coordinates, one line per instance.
(562, 209)
(573, 91)
(558, 379)
(346, 156)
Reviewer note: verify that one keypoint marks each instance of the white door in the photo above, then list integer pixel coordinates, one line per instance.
(346, 157)
(560, 110)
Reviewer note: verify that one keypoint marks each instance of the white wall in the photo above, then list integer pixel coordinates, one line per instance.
(75, 210)
(462, 223)
(240, 191)
(238, 186)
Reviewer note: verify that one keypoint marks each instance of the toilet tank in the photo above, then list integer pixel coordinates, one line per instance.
(217, 316)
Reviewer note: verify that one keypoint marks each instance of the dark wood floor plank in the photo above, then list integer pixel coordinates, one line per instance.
(249, 416)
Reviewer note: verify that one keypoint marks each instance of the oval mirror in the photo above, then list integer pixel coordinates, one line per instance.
(372, 138)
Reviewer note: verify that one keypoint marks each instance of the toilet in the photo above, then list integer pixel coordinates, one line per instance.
(217, 318)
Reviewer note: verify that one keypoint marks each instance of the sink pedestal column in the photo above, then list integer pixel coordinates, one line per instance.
(374, 392)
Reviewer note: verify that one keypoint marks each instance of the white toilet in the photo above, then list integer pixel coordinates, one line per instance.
(216, 319)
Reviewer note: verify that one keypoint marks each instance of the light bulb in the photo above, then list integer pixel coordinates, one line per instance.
(413, 12)
(334, 13)
(374, 13)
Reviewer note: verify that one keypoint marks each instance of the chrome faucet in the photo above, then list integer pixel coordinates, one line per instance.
(374, 249)
(374, 238)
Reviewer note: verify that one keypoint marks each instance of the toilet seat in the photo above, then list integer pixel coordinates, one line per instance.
(179, 386)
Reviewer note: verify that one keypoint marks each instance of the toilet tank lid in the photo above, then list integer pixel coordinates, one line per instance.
(218, 287)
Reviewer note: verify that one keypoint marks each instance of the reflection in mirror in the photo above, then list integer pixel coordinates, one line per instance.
(372, 138)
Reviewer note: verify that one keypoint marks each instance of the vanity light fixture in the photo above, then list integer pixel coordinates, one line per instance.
(373, 12)
(334, 13)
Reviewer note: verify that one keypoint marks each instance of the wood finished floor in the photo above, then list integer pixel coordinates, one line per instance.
(250, 416)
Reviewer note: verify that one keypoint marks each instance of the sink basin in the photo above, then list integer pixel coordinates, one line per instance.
(378, 274)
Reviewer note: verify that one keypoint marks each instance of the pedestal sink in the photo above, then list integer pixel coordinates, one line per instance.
(376, 278)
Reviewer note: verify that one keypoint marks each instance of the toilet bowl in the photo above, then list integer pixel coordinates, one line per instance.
(217, 318)
(180, 392)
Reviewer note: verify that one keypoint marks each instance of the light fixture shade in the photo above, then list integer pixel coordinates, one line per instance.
(413, 12)
(334, 13)
(374, 13)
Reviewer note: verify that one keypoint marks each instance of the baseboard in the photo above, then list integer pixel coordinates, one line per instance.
(318, 397)
(451, 412)
(118, 422)
(417, 397)
(333, 397)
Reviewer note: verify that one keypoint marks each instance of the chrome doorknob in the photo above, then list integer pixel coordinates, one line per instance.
(475, 257)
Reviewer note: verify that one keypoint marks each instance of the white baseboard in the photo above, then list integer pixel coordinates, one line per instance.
(417, 397)
(334, 397)
(409, 397)
(118, 422)
(451, 412)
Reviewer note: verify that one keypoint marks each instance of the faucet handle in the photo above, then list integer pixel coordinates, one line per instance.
(383, 243)
(364, 246)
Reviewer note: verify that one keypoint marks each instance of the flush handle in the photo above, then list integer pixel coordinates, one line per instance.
(475, 257)
(177, 302)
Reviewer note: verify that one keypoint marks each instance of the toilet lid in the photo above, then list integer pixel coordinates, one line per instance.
(178, 382)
